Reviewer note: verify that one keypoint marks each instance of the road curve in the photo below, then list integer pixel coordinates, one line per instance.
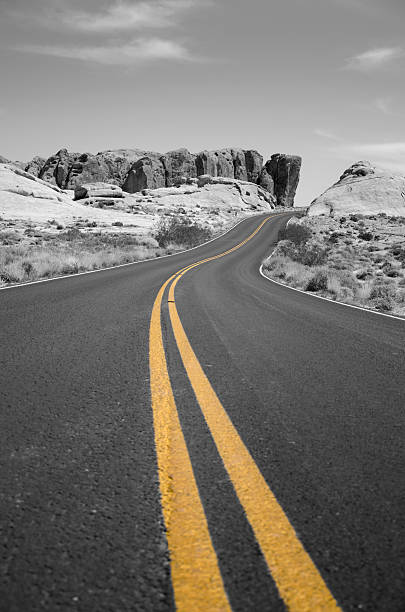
(314, 391)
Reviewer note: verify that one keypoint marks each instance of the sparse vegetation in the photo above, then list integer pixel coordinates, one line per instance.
(70, 252)
(29, 254)
(181, 231)
(334, 258)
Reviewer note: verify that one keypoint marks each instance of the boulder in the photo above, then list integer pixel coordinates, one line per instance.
(97, 190)
(363, 188)
(284, 170)
(147, 173)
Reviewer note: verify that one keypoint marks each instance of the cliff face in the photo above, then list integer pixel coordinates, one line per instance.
(135, 169)
(363, 188)
(282, 174)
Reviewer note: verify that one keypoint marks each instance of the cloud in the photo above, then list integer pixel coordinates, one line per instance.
(134, 52)
(326, 134)
(389, 155)
(375, 58)
(127, 15)
(383, 105)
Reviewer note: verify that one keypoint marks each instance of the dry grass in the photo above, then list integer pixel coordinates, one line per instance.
(360, 261)
(71, 252)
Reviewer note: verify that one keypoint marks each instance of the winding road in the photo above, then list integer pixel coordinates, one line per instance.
(183, 433)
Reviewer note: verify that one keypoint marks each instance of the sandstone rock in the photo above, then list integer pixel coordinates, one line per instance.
(266, 179)
(239, 164)
(98, 190)
(285, 173)
(147, 173)
(254, 164)
(135, 169)
(67, 170)
(363, 188)
(119, 162)
(178, 165)
(35, 165)
(215, 163)
(16, 185)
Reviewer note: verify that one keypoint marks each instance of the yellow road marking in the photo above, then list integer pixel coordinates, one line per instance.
(298, 580)
(196, 579)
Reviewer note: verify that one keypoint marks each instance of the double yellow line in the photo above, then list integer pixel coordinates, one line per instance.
(196, 578)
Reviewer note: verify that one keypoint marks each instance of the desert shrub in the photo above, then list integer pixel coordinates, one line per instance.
(287, 248)
(365, 235)
(398, 251)
(181, 231)
(314, 254)
(308, 254)
(390, 270)
(364, 274)
(71, 234)
(382, 296)
(118, 224)
(318, 282)
(296, 233)
(334, 237)
(27, 267)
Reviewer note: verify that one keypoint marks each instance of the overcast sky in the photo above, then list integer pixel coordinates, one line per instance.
(321, 78)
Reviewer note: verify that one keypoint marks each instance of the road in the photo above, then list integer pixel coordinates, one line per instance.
(262, 427)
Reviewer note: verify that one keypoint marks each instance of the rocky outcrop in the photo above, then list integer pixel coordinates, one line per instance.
(135, 170)
(230, 163)
(147, 173)
(254, 164)
(282, 173)
(363, 188)
(98, 190)
(67, 170)
(215, 163)
(178, 165)
(35, 165)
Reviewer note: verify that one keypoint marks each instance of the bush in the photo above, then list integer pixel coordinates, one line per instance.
(365, 235)
(398, 252)
(390, 271)
(318, 282)
(314, 254)
(181, 231)
(296, 233)
(308, 254)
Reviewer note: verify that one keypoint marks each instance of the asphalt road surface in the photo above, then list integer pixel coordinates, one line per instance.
(222, 443)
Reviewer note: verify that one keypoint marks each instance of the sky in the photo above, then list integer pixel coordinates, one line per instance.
(324, 79)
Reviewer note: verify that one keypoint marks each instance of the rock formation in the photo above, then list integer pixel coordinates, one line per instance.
(281, 174)
(177, 165)
(97, 190)
(135, 170)
(147, 173)
(35, 165)
(363, 188)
